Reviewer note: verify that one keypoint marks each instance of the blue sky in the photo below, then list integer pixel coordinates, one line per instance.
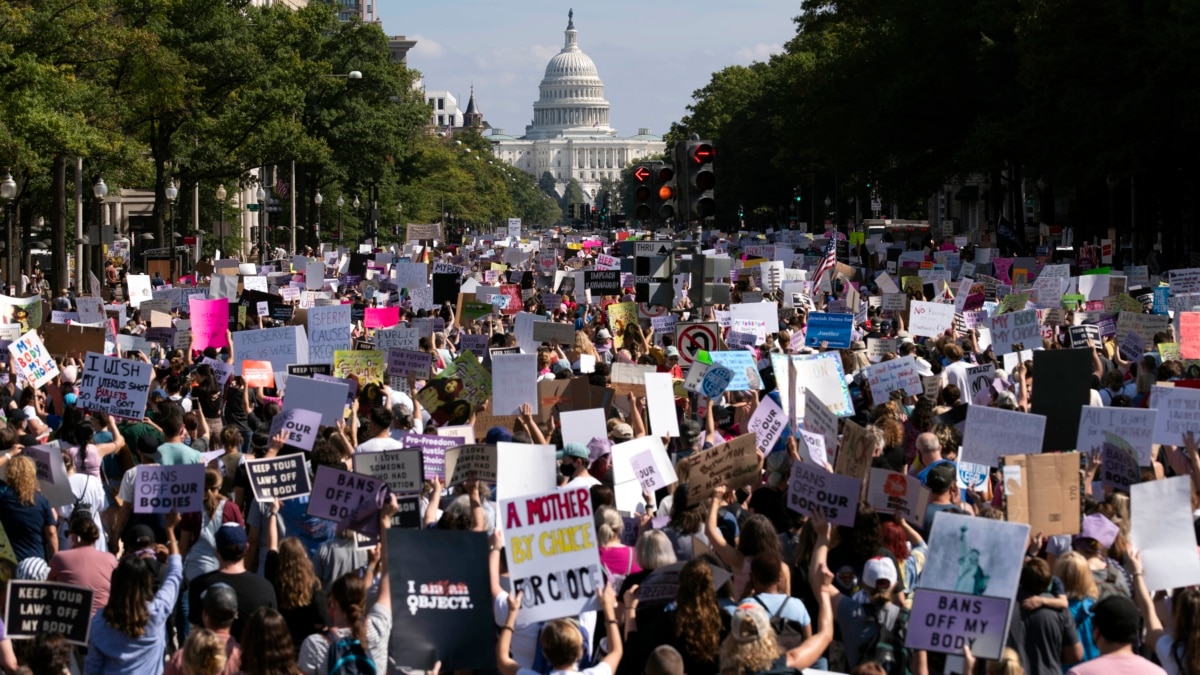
(651, 56)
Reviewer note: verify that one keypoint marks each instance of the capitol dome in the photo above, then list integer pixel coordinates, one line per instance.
(571, 96)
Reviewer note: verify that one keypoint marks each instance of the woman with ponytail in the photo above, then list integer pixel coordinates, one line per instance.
(203, 653)
(348, 613)
(198, 534)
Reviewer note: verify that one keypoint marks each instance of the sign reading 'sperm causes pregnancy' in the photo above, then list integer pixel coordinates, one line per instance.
(552, 553)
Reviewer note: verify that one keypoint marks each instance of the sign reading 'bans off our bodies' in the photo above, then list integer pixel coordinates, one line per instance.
(114, 386)
(163, 489)
(552, 554)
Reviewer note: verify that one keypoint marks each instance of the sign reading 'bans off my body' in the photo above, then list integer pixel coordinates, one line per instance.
(552, 554)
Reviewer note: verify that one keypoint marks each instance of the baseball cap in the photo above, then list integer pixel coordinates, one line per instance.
(498, 435)
(672, 351)
(603, 334)
(147, 445)
(621, 432)
(576, 450)
(220, 603)
(1117, 619)
(231, 541)
(598, 447)
(941, 477)
(879, 569)
(139, 536)
(750, 624)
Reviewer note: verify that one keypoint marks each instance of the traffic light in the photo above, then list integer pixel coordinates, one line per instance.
(643, 192)
(701, 180)
(666, 192)
(593, 216)
(796, 195)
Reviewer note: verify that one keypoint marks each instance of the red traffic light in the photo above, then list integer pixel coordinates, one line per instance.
(703, 153)
(641, 174)
(665, 174)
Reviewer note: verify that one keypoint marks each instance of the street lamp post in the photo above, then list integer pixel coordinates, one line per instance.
(8, 192)
(100, 191)
(262, 224)
(317, 199)
(340, 203)
(221, 194)
(399, 217)
(356, 204)
(172, 193)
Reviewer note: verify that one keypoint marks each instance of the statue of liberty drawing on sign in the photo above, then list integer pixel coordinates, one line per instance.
(971, 577)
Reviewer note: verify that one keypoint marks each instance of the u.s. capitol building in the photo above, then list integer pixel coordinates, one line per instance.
(570, 136)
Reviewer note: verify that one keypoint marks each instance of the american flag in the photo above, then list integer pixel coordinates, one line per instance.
(828, 260)
(281, 187)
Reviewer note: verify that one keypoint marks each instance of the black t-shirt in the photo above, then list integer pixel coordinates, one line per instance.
(252, 591)
(1040, 636)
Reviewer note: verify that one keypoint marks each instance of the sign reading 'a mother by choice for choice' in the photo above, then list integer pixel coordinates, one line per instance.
(552, 553)
(36, 607)
(163, 489)
(283, 478)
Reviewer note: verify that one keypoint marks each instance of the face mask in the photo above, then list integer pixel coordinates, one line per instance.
(567, 470)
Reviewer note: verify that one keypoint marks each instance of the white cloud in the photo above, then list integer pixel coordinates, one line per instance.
(427, 48)
(758, 52)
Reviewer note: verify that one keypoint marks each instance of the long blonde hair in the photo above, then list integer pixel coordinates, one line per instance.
(1072, 569)
(203, 653)
(738, 658)
(297, 579)
(22, 478)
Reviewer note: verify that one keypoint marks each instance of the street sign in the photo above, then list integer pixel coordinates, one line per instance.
(876, 205)
(648, 248)
(694, 337)
(253, 206)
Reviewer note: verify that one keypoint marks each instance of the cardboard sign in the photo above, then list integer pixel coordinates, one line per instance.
(283, 478)
(474, 461)
(930, 319)
(345, 496)
(402, 470)
(33, 361)
(893, 492)
(552, 553)
(301, 427)
(442, 596)
(117, 387)
(42, 607)
(1134, 426)
(1161, 515)
(812, 489)
(163, 489)
(1043, 490)
(992, 433)
(734, 463)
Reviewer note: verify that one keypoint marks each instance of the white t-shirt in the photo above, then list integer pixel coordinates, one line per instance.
(598, 669)
(88, 490)
(956, 374)
(524, 639)
(379, 445)
(583, 481)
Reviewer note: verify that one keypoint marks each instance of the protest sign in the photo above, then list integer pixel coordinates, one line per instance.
(452, 396)
(398, 338)
(552, 553)
(551, 331)
(1178, 413)
(402, 470)
(442, 595)
(1119, 466)
(743, 367)
(1015, 332)
(433, 451)
(651, 466)
(328, 331)
(327, 398)
(516, 376)
(822, 374)
(402, 363)
(524, 469)
(767, 424)
(973, 476)
(829, 330)
(1086, 335)
(581, 426)
(51, 473)
(894, 492)
(300, 426)
(36, 608)
(381, 317)
(812, 447)
(470, 462)
(280, 346)
(897, 302)
(878, 347)
(812, 489)
(1189, 334)
(34, 362)
(163, 489)
(210, 323)
(930, 319)
(114, 386)
(1146, 325)
(660, 401)
(819, 419)
(1162, 529)
(734, 463)
(895, 375)
(1134, 426)
(627, 378)
(971, 575)
(1043, 490)
(258, 374)
(62, 340)
(347, 498)
(992, 433)
(1061, 379)
(283, 478)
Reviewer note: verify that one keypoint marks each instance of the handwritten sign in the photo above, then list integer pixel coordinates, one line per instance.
(163, 489)
(402, 363)
(34, 362)
(1133, 426)
(283, 478)
(735, 464)
(114, 386)
(1178, 413)
(468, 462)
(1015, 332)
(328, 331)
(930, 319)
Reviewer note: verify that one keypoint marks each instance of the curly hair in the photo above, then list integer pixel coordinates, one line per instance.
(697, 615)
(267, 647)
(297, 578)
(738, 658)
(203, 653)
(48, 653)
(22, 478)
(128, 608)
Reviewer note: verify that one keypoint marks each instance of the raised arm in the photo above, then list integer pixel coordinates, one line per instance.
(716, 540)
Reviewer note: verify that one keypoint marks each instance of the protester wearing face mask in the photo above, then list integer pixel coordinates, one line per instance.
(573, 465)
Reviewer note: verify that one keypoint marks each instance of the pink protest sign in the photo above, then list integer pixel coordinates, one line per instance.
(381, 317)
(210, 323)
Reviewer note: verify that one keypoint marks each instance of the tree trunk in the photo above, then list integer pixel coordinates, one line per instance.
(58, 226)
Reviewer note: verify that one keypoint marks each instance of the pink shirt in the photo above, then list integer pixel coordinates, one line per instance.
(88, 567)
(1126, 664)
(619, 559)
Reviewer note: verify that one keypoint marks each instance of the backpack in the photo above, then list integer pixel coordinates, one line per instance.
(886, 646)
(788, 634)
(347, 656)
